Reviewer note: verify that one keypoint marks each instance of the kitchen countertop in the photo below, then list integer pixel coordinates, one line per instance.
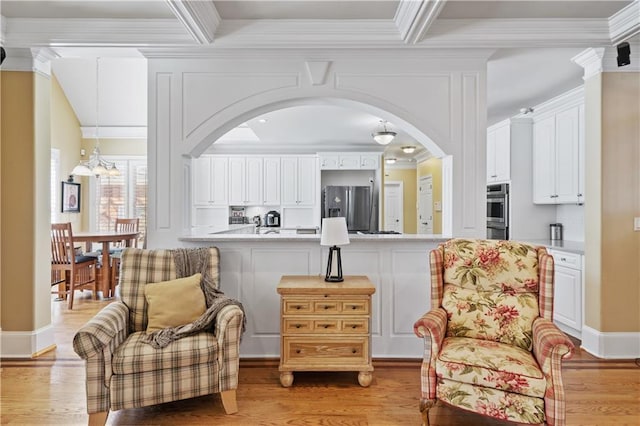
(576, 247)
(200, 235)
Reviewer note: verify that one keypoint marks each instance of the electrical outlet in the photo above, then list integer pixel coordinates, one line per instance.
(636, 223)
(437, 206)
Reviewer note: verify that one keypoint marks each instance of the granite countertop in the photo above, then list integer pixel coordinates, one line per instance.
(563, 245)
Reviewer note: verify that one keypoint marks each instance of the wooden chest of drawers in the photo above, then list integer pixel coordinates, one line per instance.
(325, 326)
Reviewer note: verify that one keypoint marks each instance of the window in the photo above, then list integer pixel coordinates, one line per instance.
(55, 184)
(120, 196)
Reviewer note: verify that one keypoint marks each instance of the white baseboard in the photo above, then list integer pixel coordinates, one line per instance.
(617, 345)
(24, 344)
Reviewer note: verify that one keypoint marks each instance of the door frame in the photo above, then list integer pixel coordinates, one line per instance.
(400, 185)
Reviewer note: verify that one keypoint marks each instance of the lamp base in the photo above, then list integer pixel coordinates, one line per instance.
(334, 266)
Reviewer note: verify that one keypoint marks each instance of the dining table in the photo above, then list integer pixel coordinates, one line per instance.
(105, 237)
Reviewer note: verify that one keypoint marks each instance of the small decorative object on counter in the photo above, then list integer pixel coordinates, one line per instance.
(555, 231)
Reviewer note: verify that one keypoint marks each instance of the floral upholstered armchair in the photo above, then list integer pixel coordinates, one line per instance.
(123, 370)
(490, 344)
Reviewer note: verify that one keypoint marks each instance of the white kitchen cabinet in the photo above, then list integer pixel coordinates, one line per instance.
(349, 161)
(499, 153)
(210, 181)
(567, 292)
(271, 181)
(245, 181)
(298, 180)
(558, 157)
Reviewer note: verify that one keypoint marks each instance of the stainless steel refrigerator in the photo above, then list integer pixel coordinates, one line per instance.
(351, 202)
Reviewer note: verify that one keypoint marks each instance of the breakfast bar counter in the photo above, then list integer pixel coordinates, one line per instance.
(252, 265)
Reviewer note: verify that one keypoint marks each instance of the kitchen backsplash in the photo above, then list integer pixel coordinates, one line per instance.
(571, 217)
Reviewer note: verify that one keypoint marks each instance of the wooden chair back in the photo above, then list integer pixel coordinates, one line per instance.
(127, 225)
(62, 249)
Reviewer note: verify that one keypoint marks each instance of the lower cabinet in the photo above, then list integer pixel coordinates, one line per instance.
(567, 297)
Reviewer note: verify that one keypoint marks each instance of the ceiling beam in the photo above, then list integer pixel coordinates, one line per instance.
(199, 17)
(414, 17)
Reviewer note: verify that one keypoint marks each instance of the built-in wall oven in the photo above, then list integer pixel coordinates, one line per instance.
(498, 211)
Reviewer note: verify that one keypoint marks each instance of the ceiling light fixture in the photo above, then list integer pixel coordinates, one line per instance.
(526, 110)
(390, 160)
(96, 165)
(262, 120)
(384, 136)
(408, 149)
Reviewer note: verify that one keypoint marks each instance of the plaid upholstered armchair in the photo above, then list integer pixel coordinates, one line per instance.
(124, 371)
(490, 344)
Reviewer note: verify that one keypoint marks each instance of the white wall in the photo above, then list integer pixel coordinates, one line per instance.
(571, 216)
(439, 98)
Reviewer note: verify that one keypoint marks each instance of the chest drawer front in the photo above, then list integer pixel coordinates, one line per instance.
(293, 306)
(355, 326)
(357, 307)
(326, 306)
(295, 325)
(325, 351)
(326, 326)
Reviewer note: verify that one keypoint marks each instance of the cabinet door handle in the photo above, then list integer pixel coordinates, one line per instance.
(564, 259)
(579, 195)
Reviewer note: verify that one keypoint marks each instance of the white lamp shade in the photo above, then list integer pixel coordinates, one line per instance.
(384, 138)
(334, 232)
(81, 170)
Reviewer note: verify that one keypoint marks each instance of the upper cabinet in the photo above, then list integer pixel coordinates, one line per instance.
(210, 181)
(298, 180)
(245, 181)
(499, 153)
(349, 161)
(558, 153)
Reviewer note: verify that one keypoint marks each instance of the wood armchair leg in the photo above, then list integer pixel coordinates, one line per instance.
(98, 419)
(425, 406)
(229, 401)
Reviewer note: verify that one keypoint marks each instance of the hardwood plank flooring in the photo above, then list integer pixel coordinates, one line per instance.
(50, 390)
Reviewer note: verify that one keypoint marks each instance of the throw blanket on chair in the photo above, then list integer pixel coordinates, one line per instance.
(189, 262)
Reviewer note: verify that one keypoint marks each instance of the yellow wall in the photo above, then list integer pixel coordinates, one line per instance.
(67, 137)
(25, 201)
(612, 249)
(433, 167)
(409, 193)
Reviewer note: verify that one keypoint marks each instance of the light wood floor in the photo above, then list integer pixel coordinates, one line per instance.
(50, 390)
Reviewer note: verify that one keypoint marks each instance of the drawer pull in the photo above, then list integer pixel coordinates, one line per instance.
(326, 295)
(564, 259)
(326, 306)
(326, 326)
(298, 351)
(353, 307)
(354, 351)
(298, 307)
(354, 326)
(298, 325)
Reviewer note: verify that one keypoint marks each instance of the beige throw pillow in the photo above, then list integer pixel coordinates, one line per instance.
(173, 303)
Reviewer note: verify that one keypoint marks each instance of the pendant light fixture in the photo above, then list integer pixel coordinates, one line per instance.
(384, 136)
(96, 165)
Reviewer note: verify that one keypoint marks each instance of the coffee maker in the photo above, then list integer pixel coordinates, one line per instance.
(272, 218)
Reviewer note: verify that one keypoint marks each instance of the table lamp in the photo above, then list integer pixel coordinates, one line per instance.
(334, 233)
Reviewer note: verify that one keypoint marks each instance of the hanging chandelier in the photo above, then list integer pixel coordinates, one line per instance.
(96, 165)
(384, 136)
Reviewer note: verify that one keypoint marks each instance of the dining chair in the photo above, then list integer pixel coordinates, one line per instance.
(122, 225)
(79, 271)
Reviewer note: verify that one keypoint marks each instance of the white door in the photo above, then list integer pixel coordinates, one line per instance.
(425, 205)
(393, 206)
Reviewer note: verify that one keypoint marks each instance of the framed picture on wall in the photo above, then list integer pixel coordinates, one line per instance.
(70, 197)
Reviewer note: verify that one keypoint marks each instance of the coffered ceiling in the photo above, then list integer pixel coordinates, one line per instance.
(533, 42)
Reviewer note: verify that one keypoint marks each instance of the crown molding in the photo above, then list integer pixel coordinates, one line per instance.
(423, 156)
(37, 59)
(3, 27)
(400, 164)
(27, 32)
(114, 132)
(469, 56)
(200, 18)
(625, 24)
(413, 18)
(504, 33)
(591, 60)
